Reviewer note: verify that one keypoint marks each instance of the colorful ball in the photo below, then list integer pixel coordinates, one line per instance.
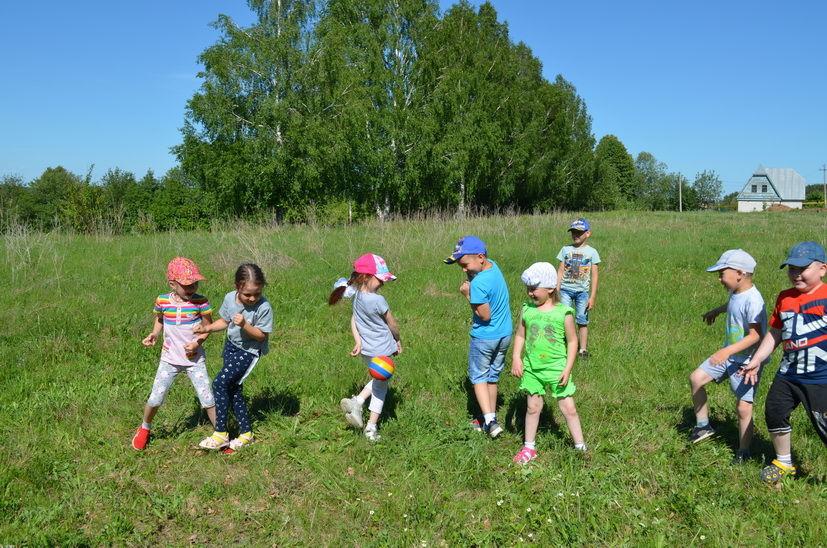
(381, 368)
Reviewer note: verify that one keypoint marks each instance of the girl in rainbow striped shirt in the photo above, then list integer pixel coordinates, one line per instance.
(177, 313)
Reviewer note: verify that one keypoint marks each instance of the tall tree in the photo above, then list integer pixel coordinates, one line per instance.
(653, 185)
(707, 187)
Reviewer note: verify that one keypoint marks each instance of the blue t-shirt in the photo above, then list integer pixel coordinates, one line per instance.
(489, 287)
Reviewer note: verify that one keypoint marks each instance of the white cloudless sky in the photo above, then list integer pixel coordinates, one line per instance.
(705, 85)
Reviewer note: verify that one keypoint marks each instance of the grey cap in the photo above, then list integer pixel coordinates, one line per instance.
(737, 259)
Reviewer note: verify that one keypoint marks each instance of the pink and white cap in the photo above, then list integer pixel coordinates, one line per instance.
(375, 265)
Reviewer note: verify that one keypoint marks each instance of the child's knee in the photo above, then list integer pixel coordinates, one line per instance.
(567, 407)
(744, 409)
(535, 405)
(699, 378)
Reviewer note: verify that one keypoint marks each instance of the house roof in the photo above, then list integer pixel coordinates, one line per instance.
(786, 181)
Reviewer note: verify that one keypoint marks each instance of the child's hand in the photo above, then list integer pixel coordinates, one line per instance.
(191, 347)
(238, 319)
(199, 328)
(150, 339)
(398, 347)
(357, 349)
(564, 378)
(465, 289)
(750, 372)
(719, 357)
(517, 367)
(710, 316)
(590, 303)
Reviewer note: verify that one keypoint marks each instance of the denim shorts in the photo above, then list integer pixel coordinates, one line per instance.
(580, 300)
(486, 359)
(729, 370)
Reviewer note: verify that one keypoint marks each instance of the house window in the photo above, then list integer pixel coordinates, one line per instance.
(755, 188)
(763, 188)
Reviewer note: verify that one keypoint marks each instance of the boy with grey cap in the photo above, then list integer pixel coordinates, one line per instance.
(746, 323)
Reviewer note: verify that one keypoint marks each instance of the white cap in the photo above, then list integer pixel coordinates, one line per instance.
(540, 275)
(737, 259)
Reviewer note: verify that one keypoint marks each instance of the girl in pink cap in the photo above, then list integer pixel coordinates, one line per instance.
(176, 314)
(374, 331)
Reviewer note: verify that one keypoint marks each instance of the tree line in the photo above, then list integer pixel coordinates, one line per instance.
(373, 107)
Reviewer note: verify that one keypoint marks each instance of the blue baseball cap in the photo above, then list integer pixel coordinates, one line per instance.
(803, 253)
(468, 245)
(580, 224)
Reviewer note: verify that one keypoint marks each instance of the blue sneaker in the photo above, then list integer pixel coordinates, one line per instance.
(493, 428)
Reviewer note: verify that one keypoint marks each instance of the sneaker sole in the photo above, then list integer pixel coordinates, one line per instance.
(495, 432)
(704, 437)
(354, 421)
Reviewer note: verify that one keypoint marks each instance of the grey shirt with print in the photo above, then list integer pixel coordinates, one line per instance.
(259, 315)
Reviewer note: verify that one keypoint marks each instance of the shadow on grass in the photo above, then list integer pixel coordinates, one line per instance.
(515, 417)
(726, 431)
(471, 405)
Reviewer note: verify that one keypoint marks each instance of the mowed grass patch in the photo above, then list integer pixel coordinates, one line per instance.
(75, 379)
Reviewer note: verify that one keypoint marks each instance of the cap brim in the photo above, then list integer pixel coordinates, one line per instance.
(451, 259)
(799, 262)
(716, 267)
(386, 277)
(190, 281)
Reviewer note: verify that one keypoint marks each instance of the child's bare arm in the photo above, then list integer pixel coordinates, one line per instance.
(157, 326)
(768, 344)
(517, 348)
(593, 292)
(709, 317)
(751, 338)
(206, 326)
(571, 349)
(394, 329)
(357, 348)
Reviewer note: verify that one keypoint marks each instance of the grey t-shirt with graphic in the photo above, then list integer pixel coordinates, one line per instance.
(259, 315)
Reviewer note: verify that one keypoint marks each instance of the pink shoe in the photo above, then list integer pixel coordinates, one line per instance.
(525, 455)
(140, 438)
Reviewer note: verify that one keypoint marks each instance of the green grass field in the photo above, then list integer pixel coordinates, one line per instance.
(75, 379)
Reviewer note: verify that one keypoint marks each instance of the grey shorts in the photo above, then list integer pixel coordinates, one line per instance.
(729, 370)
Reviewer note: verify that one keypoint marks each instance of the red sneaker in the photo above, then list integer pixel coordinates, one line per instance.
(140, 438)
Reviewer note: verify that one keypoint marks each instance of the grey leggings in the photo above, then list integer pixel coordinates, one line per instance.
(166, 374)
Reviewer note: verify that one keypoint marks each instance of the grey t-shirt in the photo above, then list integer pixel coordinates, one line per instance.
(743, 309)
(259, 315)
(369, 311)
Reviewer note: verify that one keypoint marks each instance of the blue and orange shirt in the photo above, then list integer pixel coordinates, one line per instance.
(803, 324)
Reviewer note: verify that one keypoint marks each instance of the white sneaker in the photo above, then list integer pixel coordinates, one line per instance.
(372, 433)
(353, 412)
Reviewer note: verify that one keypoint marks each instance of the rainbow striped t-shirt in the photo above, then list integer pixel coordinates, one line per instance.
(179, 318)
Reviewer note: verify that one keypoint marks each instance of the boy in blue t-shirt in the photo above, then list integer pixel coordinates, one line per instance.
(487, 294)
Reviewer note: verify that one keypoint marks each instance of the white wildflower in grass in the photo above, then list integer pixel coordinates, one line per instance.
(548, 520)
(560, 494)
(500, 502)
(531, 535)
(405, 516)
(390, 494)
(703, 537)
(371, 512)
(528, 510)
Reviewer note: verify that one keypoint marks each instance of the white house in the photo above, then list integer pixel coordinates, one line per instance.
(772, 185)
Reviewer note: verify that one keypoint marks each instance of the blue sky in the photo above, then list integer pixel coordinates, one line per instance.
(721, 85)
